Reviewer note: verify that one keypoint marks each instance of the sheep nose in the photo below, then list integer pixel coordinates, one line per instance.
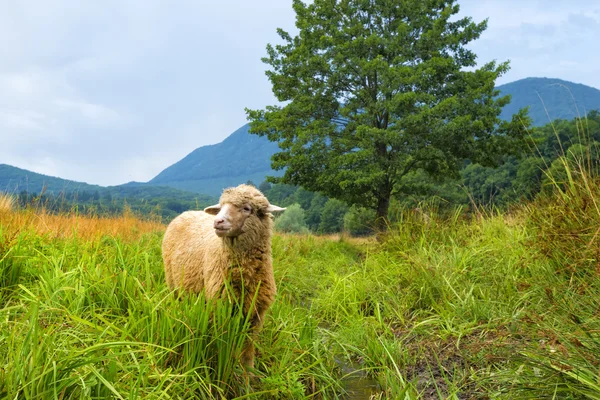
(218, 221)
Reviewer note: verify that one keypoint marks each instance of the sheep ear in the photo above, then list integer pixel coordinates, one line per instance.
(213, 210)
(274, 208)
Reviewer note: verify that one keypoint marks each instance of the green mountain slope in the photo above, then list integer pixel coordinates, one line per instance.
(14, 180)
(62, 194)
(208, 169)
(242, 157)
(561, 99)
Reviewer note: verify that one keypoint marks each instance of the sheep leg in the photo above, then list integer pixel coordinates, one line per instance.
(248, 353)
(249, 350)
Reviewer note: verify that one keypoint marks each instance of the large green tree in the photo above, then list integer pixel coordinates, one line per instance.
(374, 89)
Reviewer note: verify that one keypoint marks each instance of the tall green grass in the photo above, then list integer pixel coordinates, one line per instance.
(565, 224)
(87, 318)
(462, 307)
(449, 306)
(93, 318)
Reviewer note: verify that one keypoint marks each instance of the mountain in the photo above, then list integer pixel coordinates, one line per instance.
(242, 157)
(239, 158)
(561, 99)
(14, 180)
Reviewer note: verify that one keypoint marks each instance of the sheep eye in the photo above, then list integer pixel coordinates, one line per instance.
(247, 208)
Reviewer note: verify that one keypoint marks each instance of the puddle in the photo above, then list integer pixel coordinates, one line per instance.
(358, 385)
(360, 388)
(356, 382)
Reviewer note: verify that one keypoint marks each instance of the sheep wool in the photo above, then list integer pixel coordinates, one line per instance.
(230, 241)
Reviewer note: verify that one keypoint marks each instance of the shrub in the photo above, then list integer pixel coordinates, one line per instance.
(359, 221)
(332, 217)
(566, 215)
(292, 220)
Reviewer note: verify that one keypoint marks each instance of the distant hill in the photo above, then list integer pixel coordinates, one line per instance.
(243, 157)
(561, 99)
(209, 169)
(14, 180)
(140, 197)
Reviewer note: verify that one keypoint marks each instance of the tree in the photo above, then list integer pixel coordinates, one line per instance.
(303, 197)
(282, 195)
(359, 221)
(292, 220)
(375, 89)
(264, 187)
(332, 218)
(313, 214)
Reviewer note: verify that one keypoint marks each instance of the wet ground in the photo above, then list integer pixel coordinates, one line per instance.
(361, 388)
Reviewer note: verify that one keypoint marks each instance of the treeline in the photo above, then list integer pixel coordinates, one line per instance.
(146, 201)
(549, 148)
(306, 211)
(517, 179)
(312, 212)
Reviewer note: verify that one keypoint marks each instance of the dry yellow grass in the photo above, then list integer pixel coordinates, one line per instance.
(127, 226)
(335, 237)
(7, 203)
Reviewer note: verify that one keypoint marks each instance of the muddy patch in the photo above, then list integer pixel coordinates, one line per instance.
(359, 386)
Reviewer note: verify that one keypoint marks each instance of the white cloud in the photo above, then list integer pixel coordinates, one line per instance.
(92, 112)
(102, 87)
(541, 38)
(112, 91)
(21, 120)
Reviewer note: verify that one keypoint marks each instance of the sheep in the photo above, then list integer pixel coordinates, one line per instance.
(200, 252)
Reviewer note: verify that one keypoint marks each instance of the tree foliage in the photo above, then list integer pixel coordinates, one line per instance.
(374, 90)
(292, 220)
(332, 217)
(359, 221)
(554, 146)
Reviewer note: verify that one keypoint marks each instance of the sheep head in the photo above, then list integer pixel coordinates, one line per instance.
(239, 209)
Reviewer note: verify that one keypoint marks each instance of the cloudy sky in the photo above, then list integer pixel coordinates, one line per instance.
(112, 91)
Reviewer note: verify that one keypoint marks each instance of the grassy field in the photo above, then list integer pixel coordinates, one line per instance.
(487, 306)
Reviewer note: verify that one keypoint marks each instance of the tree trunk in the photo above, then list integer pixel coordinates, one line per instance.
(381, 219)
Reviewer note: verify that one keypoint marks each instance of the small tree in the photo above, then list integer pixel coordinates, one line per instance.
(313, 214)
(376, 89)
(332, 217)
(264, 187)
(282, 195)
(292, 220)
(304, 198)
(359, 221)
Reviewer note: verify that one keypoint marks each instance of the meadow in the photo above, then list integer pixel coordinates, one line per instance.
(455, 305)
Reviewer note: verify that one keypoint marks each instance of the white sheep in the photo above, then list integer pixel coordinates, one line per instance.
(201, 252)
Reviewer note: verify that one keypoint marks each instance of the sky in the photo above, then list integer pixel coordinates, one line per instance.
(115, 91)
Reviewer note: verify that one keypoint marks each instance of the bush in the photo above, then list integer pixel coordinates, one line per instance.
(565, 218)
(292, 220)
(332, 217)
(359, 221)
